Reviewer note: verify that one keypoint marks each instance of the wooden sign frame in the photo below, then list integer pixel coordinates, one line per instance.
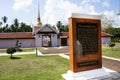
(91, 60)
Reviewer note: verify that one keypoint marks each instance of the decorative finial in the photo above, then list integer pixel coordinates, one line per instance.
(38, 19)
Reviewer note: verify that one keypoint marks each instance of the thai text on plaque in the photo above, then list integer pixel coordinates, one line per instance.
(87, 35)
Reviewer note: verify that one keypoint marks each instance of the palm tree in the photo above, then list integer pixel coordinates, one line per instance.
(0, 23)
(4, 19)
(5, 26)
(16, 25)
(24, 27)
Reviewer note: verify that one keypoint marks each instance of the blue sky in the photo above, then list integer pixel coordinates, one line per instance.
(53, 10)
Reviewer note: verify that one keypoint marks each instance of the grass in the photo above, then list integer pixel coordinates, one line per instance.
(115, 52)
(2, 50)
(28, 49)
(31, 67)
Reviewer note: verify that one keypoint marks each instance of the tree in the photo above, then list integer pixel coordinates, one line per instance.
(0, 24)
(4, 19)
(61, 27)
(66, 28)
(106, 22)
(112, 44)
(5, 26)
(118, 12)
(11, 51)
(16, 25)
(25, 28)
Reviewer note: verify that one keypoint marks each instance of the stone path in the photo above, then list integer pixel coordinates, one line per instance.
(17, 53)
(112, 76)
(55, 50)
(111, 64)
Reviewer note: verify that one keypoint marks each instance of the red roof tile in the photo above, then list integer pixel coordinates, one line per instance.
(64, 34)
(103, 34)
(17, 35)
(29, 35)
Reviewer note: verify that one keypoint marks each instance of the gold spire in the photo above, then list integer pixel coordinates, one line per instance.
(38, 19)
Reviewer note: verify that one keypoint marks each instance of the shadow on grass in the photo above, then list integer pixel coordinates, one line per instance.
(15, 57)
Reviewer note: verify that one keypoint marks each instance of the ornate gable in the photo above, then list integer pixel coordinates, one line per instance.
(47, 29)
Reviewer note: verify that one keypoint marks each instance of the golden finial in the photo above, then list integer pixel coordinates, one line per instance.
(38, 19)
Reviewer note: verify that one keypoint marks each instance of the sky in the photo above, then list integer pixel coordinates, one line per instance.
(52, 11)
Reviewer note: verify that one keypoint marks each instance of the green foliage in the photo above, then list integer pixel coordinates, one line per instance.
(4, 19)
(112, 44)
(25, 28)
(61, 27)
(115, 32)
(11, 51)
(14, 27)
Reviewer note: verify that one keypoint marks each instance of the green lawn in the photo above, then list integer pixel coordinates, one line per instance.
(115, 52)
(28, 49)
(31, 67)
(2, 50)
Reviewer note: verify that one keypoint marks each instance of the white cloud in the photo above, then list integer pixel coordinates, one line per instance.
(106, 3)
(88, 1)
(22, 5)
(111, 16)
(61, 10)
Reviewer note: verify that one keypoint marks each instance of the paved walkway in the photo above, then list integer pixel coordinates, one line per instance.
(17, 53)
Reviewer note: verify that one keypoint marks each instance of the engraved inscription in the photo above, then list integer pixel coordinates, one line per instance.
(87, 35)
(87, 63)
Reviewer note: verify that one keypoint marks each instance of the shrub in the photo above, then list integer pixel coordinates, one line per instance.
(112, 44)
(11, 51)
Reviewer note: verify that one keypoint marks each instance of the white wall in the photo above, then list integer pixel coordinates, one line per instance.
(38, 40)
(6, 43)
(106, 40)
(54, 40)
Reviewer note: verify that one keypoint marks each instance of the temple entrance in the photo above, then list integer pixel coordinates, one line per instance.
(63, 41)
(46, 41)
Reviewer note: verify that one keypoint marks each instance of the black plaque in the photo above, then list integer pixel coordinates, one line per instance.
(87, 35)
(87, 63)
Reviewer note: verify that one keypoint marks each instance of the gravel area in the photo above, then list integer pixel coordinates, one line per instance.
(54, 50)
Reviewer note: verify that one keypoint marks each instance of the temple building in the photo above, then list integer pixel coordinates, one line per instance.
(43, 35)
